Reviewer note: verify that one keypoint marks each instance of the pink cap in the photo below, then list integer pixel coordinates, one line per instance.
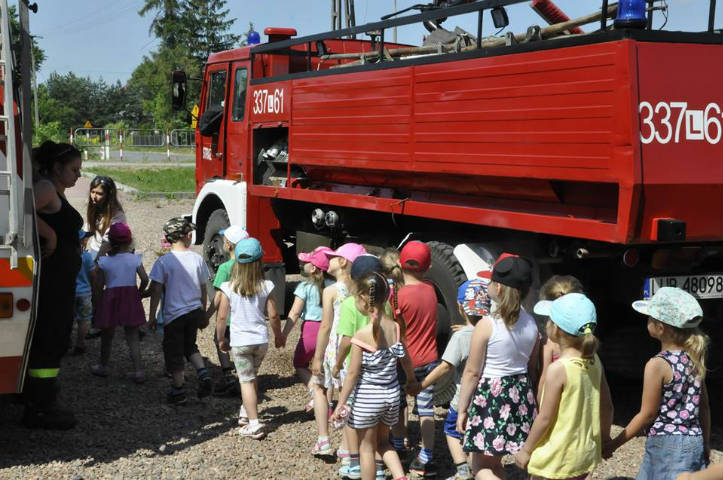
(317, 258)
(350, 251)
(120, 233)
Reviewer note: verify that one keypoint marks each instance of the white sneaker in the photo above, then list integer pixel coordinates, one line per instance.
(243, 418)
(256, 432)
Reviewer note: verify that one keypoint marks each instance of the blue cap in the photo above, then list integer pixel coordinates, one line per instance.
(472, 296)
(248, 250)
(364, 265)
(574, 313)
(83, 234)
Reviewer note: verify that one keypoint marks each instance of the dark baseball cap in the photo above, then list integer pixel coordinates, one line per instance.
(513, 271)
(364, 265)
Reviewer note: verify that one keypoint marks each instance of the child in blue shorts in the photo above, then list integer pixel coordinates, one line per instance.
(473, 304)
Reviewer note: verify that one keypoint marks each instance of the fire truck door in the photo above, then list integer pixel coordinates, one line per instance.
(236, 124)
(211, 124)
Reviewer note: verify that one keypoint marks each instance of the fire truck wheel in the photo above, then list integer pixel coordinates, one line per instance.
(446, 275)
(213, 251)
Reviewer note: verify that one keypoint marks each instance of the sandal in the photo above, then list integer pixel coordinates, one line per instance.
(321, 447)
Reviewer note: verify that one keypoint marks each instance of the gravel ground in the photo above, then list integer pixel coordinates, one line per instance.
(127, 431)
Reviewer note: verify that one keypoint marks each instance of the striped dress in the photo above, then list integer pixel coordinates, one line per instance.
(377, 393)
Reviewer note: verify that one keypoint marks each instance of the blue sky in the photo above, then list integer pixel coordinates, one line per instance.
(108, 39)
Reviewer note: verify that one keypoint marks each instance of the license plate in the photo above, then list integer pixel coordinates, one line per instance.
(704, 286)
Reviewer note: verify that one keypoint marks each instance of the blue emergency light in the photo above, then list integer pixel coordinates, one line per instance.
(253, 37)
(631, 14)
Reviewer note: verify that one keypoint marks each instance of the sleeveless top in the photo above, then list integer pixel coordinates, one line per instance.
(680, 399)
(572, 446)
(379, 366)
(333, 346)
(509, 350)
(66, 259)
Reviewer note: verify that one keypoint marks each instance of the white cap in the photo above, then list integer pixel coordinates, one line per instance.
(234, 234)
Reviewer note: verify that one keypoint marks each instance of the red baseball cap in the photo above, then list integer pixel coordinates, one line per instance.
(416, 256)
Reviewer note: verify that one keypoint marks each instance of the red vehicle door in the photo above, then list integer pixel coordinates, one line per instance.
(211, 151)
(236, 121)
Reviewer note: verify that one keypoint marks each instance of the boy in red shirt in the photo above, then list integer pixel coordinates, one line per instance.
(418, 307)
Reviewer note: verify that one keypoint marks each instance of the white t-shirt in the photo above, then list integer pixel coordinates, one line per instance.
(119, 270)
(248, 319)
(508, 351)
(182, 274)
(96, 240)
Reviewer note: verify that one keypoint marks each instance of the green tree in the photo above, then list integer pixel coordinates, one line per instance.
(150, 83)
(167, 22)
(207, 27)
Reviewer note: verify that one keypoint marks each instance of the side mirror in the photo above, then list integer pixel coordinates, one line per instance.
(178, 90)
(499, 17)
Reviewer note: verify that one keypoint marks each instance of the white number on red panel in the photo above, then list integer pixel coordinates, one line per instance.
(265, 101)
(674, 122)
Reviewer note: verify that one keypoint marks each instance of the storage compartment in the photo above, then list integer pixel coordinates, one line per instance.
(271, 151)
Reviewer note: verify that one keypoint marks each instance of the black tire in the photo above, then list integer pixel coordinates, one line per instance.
(213, 251)
(446, 275)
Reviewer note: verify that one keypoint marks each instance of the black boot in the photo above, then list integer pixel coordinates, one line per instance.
(41, 407)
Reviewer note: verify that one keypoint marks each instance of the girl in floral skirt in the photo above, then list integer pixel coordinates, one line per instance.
(497, 403)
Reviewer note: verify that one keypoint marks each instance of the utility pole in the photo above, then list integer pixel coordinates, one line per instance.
(337, 15)
(25, 47)
(394, 34)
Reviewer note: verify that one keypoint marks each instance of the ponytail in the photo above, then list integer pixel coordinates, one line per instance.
(373, 310)
(696, 346)
(376, 286)
(589, 346)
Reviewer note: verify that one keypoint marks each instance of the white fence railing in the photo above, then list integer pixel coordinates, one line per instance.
(106, 139)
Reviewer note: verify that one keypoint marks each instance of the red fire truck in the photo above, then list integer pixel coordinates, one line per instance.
(597, 154)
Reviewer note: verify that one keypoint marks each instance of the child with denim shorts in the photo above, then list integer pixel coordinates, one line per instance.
(675, 406)
(247, 297)
(418, 306)
(83, 307)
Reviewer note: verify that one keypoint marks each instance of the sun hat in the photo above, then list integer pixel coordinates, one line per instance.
(177, 227)
(84, 234)
(472, 295)
(317, 258)
(248, 250)
(350, 251)
(415, 256)
(673, 306)
(574, 313)
(234, 233)
(364, 265)
(513, 271)
(120, 233)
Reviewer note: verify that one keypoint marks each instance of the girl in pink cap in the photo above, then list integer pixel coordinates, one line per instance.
(307, 307)
(120, 300)
(327, 343)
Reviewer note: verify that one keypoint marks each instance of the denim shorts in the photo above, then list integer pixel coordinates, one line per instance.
(667, 456)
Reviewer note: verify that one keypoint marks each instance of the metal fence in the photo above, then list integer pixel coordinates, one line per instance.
(107, 140)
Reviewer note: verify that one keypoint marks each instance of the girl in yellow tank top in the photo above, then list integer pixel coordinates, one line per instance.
(565, 442)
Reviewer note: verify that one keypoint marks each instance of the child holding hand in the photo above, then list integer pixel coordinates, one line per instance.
(675, 398)
(565, 441)
(120, 299)
(372, 376)
(247, 297)
(307, 307)
(473, 304)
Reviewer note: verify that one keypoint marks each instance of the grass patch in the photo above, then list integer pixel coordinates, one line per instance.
(151, 180)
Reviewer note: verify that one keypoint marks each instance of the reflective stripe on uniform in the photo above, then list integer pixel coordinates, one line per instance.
(43, 372)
